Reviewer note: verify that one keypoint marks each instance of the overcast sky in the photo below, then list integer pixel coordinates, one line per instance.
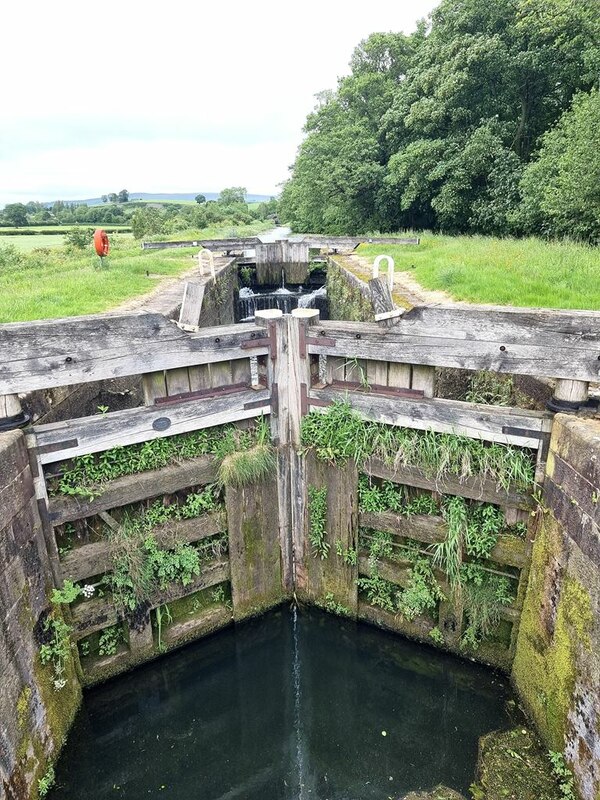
(172, 96)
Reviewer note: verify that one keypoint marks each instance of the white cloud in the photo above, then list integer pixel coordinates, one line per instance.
(170, 96)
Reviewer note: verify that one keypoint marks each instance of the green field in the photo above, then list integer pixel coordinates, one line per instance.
(59, 282)
(28, 243)
(517, 272)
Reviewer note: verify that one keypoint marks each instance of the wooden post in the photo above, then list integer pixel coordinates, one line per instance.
(191, 306)
(254, 548)
(277, 381)
(299, 386)
(569, 396)
(11, 413)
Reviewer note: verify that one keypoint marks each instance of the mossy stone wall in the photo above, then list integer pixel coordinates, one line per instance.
(34, 716)
(557, 662)
(348, 296)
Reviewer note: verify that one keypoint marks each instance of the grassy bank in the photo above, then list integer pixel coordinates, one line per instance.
(518, 272)
(60, 282)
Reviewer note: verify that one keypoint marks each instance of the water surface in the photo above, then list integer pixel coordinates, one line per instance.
(284, 708)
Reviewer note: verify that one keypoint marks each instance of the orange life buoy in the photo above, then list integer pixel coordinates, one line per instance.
(101, 242)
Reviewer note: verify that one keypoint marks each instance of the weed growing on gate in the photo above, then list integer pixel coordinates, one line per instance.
(246, 458)
(140, 566)
(109, 640)
(484, 595)
(56, 649)
(340, 434)
(317, 527)
(472, 530)
(84, 475)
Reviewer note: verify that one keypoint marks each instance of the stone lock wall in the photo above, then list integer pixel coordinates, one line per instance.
(557, 662)
(34, 717)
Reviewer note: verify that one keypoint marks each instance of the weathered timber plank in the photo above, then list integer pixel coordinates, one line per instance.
(191, 305)
(474, 488)
(551, 343)
(39, 355)
(99, 613)
(210, 620)
(133, 488)
(420, 629)
(95, 558)
(332, 575)
(430, 529)
(254, 548)
(490, 423)
(178, 381)
(70, 438)
(215, 245)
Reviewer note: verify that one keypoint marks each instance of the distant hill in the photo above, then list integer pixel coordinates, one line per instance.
(96, 201)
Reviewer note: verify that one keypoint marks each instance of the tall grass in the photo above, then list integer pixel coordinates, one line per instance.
(340, 434)
(519, 272)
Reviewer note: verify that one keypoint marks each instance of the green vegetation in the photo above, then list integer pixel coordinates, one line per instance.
(140, 566)
(444, 129)
(514, 764)
(85, 475)
(472, 530)
(518, 272)
(563, 775)
(483, 595)
(317, 526)
(56, 648)
(46, 782)
(64, 281)
(109, 640)
(246, 460)
(340, 434)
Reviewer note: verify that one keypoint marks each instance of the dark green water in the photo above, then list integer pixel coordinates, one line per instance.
(284, 709)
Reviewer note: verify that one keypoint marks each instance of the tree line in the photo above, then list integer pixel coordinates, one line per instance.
(486, 119)
(146, 219)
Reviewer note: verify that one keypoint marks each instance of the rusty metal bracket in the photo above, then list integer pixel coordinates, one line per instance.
(304, 341)
(303, 400)
(201, 394)
(253, 344)
(376, 388)
(306, 401)
(272, 339)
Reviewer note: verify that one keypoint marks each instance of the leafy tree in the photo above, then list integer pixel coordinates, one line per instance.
(435, 129)
(146, 222)
(200, 198)
(15, 214)
(112, 197)
(104, 198)
(561, 187)
(235, 194)
(123, 196)
(79, 238)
